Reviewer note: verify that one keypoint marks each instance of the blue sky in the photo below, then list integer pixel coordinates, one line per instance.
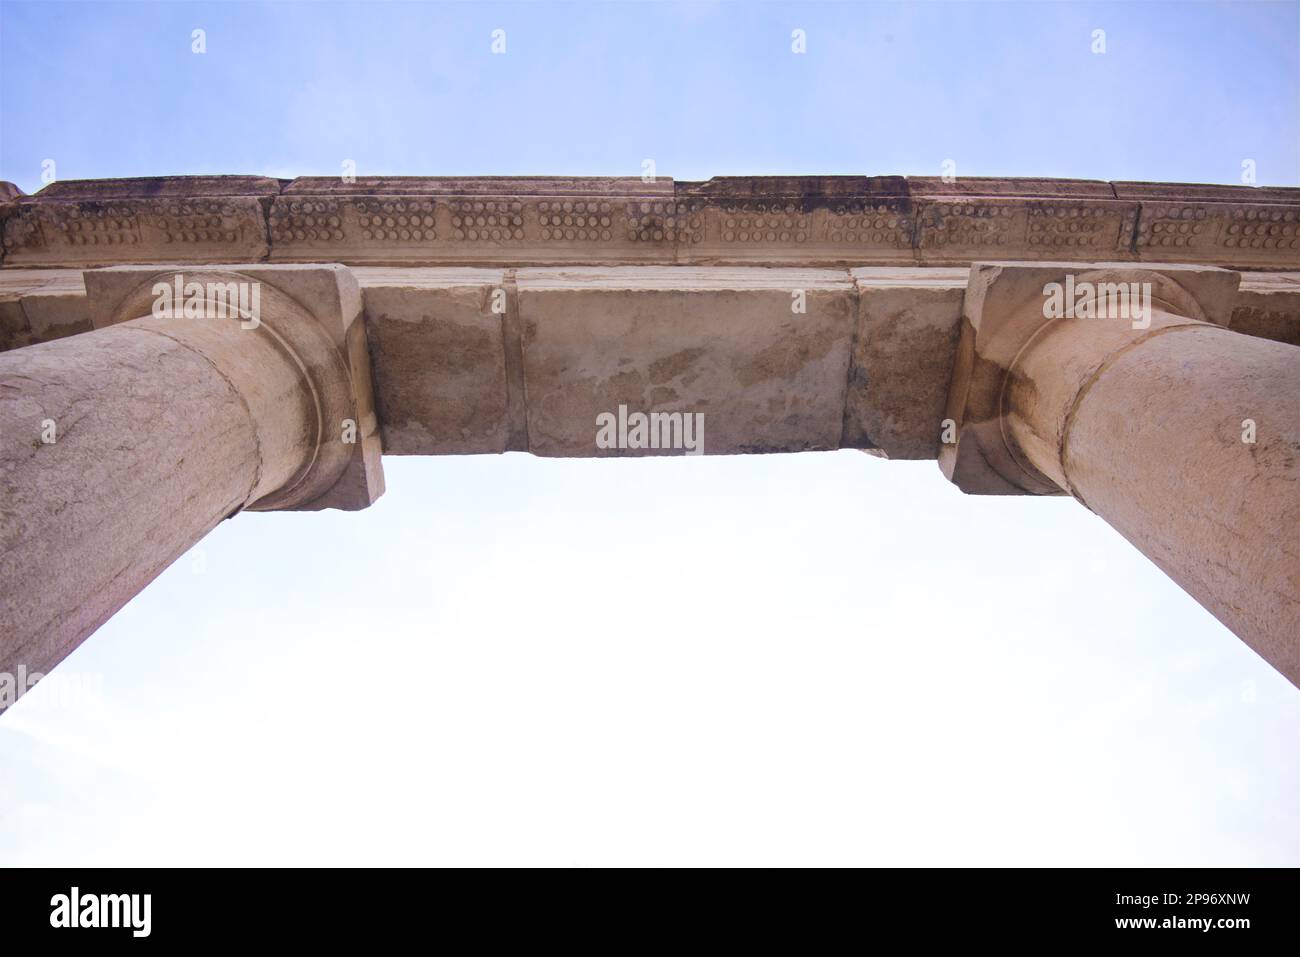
(1184, 91)
(820, 658)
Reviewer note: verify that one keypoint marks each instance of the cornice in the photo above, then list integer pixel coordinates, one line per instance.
(743, 220)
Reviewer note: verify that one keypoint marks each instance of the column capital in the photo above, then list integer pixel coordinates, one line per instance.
(1009, 306)
(314, 315)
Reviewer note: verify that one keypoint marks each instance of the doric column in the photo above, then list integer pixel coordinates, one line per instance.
(203, 393)
(1183, 435)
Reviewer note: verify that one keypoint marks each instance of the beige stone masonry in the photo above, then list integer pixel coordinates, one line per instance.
(1268, 306)
(908, 324)
(1002, 314)
(189, 219)
(420, 315)
(125, 445)
(450, 376)
(790, 220)
(439, 354)
(314, 313)
(453, 377)
(1182, 434)
(41, 305)
(726, 343)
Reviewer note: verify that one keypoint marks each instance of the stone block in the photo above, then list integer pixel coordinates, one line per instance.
(1268, 308)
(808, 219)
(723, 342)
(38, 305)
(439, 358)
(955, 228)
(200, 219)
(481, 220)
(909, 321)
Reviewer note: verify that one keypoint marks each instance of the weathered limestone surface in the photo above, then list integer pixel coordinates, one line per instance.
(314, 313)
(190, 219)
(518, 221)
(1181, 433)
(1003, 313)
(1154, 446)
(40, 305)
(154, 446)
(908, 324)
(1268, 306)
(727, 343)
(455, 378)
(439, 356)
(483, 315)
(451, 377)
(126, 444)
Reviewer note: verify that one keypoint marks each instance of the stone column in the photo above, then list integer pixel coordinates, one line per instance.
(125, 445)
(1181, 434)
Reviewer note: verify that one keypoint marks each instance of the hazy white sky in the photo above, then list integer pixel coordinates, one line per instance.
(821, 658)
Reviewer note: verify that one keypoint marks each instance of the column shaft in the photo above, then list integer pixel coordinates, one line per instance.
(161, 428)
(1152, 430)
